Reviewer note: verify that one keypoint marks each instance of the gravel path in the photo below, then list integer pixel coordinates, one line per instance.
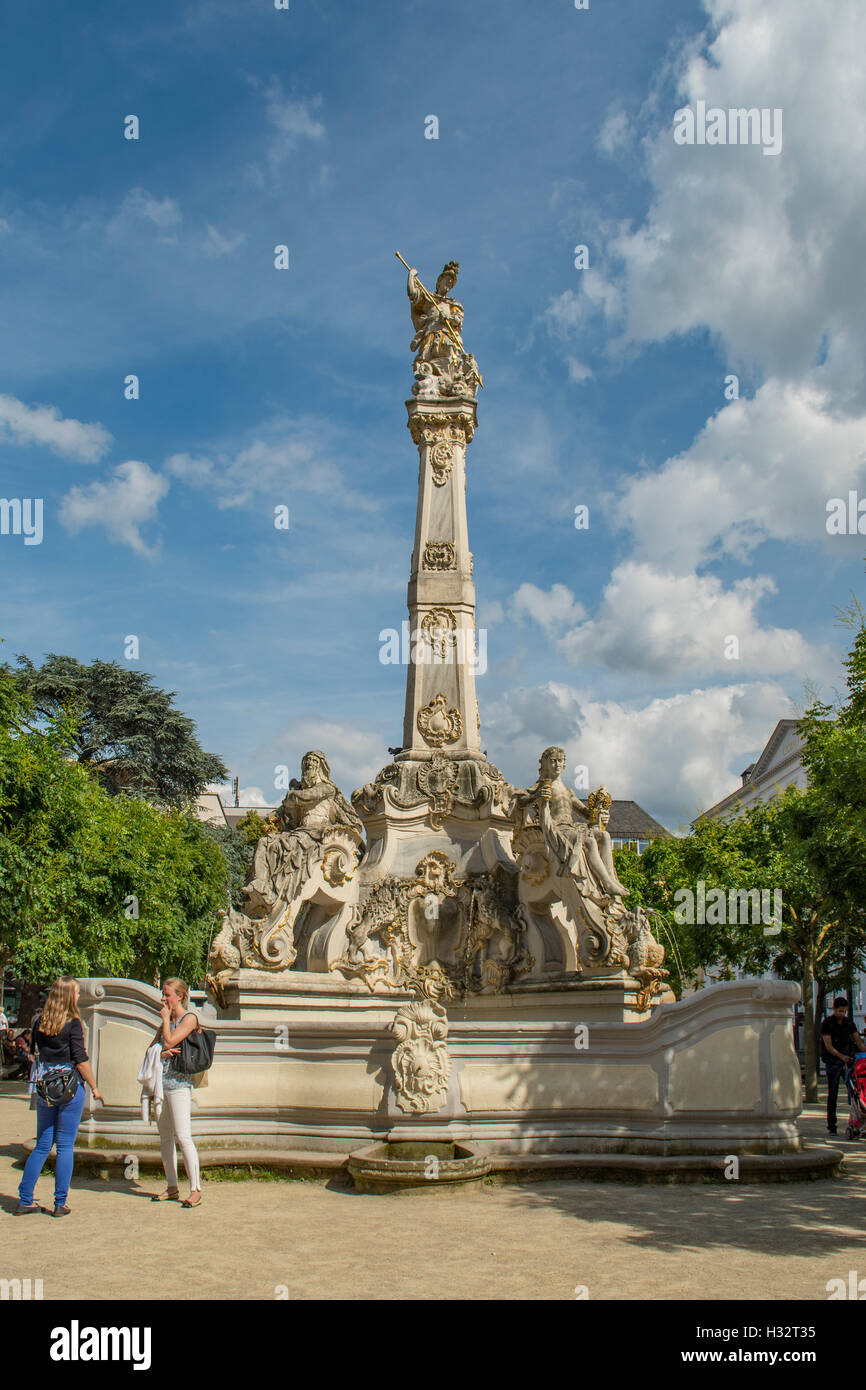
(306, 1240)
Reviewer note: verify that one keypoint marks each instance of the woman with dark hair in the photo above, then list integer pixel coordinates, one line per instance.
(57, 1038)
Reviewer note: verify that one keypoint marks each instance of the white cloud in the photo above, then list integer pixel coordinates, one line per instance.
(668, 625)
(674, 756)
(247, 796)
(578, 371)
(285, 456)
(571, 310)
(44, 425)
(121, 506)
(189, 469)
(216, 245)
(765, 253)
(139, 207)
(614, 135)
(490, 613)
(293, 120)
(760, 469)
(552, 611)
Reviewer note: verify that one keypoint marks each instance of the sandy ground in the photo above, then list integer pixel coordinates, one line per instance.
(305, 1240)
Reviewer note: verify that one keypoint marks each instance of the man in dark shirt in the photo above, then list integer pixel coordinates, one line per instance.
(839, 1041)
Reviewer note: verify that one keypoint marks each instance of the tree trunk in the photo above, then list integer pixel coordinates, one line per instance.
(29, 1003)
(810, 1041)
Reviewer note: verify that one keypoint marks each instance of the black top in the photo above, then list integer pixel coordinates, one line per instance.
(65, 1046)
(840, 1032)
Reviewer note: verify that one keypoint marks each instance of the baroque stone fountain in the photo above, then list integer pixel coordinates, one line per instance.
(448, 959)
(467, 885)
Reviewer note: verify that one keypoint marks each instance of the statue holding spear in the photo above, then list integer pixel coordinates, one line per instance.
(438, 345)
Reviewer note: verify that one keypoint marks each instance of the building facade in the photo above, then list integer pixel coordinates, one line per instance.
(779, 766)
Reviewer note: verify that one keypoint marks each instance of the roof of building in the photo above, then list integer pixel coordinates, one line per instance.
(763, 767)
(628, 821)
(211, 807)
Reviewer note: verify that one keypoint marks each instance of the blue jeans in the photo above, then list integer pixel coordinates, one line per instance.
(55, 1124)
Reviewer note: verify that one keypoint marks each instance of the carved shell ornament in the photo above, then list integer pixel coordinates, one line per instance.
(438, 724)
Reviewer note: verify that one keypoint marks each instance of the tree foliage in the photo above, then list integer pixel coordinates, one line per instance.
(835, 761)
(809, 845)
(92, 884)
(237, 850)
(122, 726)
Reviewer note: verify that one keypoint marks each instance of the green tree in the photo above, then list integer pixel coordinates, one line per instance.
(237, 850)
(786, 836)
(251, 828)
(718, 855)
(92, 884)
(834, 757)
(769, 848)
(124, 727)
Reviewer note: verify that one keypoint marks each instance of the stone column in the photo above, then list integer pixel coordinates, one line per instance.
(441, 706)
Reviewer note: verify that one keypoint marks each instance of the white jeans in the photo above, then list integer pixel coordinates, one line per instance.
(174, 1125)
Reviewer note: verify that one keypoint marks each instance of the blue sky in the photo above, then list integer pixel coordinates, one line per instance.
(603, 386)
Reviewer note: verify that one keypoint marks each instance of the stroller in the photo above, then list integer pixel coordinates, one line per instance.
(855, 1080)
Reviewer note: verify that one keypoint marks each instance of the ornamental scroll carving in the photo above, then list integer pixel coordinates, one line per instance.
(441, 433)
(439, 935)
(440, 626)
(421, 1063)
(456, 427)
(440, 555)
(441, 462)
(438, 724)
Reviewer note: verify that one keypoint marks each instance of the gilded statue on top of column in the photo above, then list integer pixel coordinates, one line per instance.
(442, 366)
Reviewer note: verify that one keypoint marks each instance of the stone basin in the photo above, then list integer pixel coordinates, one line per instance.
(415, 1163)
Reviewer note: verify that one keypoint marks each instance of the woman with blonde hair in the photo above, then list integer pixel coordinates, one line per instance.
(174, 1120)
(57, 1038)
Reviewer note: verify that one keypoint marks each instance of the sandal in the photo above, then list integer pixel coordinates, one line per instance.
(26, 1211)
(188, 1203)
(170, 1195)
(62, 1211)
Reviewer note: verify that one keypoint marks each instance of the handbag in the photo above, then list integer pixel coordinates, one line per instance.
(56, 1085)
(196, 1051)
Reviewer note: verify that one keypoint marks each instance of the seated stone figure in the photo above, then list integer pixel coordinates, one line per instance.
(563, 847)
(308, 811)
(309, 851)
(575, 834)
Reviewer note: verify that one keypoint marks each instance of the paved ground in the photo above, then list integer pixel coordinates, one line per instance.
(538, 1241)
